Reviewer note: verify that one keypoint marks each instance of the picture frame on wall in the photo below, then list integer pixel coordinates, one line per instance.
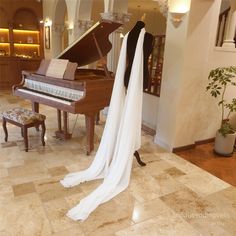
(47, 37)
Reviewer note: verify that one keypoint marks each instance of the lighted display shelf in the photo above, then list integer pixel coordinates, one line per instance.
(26, 43)
(21, 40)
(4, 42)
(26, 50)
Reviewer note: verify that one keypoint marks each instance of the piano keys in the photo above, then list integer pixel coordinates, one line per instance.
(80, 91)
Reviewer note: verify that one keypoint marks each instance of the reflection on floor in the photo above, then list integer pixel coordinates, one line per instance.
(221, 167)
(169, 196)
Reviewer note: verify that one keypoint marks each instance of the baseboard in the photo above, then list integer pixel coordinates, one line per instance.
(183, 148)
(148, 130)
(191, 146)
(209, 140)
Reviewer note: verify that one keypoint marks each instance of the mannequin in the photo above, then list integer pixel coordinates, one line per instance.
(147, 49)
(113, 162)
(131, 46)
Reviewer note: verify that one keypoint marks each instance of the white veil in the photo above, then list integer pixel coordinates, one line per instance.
(121, 137)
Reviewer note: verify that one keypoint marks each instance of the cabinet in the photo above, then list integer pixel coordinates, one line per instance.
(26, 43)
(4, 42)
(21, 41)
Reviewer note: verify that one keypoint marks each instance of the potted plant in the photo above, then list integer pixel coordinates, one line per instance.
(219, 80)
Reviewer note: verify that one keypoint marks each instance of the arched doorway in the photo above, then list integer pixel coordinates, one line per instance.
(60, 32)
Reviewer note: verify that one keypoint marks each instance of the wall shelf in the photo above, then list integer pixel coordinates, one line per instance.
(21, 39)
(4, 42)
(26, 43)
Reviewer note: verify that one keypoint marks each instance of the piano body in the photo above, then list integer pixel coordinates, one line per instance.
(80, 91)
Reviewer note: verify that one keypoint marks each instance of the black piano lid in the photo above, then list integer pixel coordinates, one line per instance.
(84, 50)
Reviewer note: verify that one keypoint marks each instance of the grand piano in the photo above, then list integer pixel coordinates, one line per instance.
(78, 91)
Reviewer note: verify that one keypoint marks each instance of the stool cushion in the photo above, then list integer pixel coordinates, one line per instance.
(23, 116)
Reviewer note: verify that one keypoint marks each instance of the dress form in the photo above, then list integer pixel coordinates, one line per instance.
(131, 47)
(147, 49)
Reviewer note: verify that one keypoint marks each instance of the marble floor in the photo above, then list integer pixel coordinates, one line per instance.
(169, 197)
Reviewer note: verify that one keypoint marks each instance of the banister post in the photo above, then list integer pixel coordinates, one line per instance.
(230, 33)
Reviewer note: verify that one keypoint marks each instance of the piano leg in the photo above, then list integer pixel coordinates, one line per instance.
(89, 120)
(98, 118)
(62, 134)
(35, 108)
(59, 120)
(65, 122)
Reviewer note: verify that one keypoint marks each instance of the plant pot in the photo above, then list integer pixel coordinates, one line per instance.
(224, 145)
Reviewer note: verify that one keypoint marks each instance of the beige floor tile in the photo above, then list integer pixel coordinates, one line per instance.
(147, 210)
(179, 163)
(166, 225)
(3, 172)
(24, 216)
(28, 172)
(107, 219)
(156, 167)
(59, 170)
(174, 172)
(51, 189)
(56, 212)
(127, 197)
(6, 191)
(74, 199)
(203, 183)
(22, 189)
(187, 203)
(75, 231)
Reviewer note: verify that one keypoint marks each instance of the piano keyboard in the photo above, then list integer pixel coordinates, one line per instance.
(51, 98)
(54, 90)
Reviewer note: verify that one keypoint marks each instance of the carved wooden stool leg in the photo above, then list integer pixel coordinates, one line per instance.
(4, 125)
(22, 133)
(37, 128)
(97, 118)
(25, 133)
(140, 162)
(43, 133)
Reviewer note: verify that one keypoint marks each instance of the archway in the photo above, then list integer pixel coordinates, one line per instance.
(60, 32)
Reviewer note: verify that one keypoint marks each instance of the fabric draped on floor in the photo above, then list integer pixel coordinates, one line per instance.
(121, 137)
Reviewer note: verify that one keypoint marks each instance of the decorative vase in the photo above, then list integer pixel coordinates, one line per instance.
(224, 145)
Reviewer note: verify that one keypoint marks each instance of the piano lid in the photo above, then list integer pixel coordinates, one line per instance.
(84, 50)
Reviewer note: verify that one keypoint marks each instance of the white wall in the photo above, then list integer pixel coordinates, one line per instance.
(171, 83)
(186, 112)
(149, 113)
(194, 102)
(209, 112)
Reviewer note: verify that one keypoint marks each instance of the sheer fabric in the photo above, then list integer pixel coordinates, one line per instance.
(121, 137)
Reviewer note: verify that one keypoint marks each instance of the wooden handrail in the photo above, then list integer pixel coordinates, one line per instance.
(155, 65)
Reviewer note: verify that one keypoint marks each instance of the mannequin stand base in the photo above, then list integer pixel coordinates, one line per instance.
(140, 162)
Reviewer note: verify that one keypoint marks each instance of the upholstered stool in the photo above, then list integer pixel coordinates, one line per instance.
(24, 119)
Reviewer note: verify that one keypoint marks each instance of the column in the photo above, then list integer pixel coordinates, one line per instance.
(115, 38)
(57, 30)
(230, 33)
(80, 27)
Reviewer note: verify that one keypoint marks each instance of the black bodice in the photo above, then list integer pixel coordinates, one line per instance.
(131, 47)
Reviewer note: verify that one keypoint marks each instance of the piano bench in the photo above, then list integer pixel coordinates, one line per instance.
(24, 119)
